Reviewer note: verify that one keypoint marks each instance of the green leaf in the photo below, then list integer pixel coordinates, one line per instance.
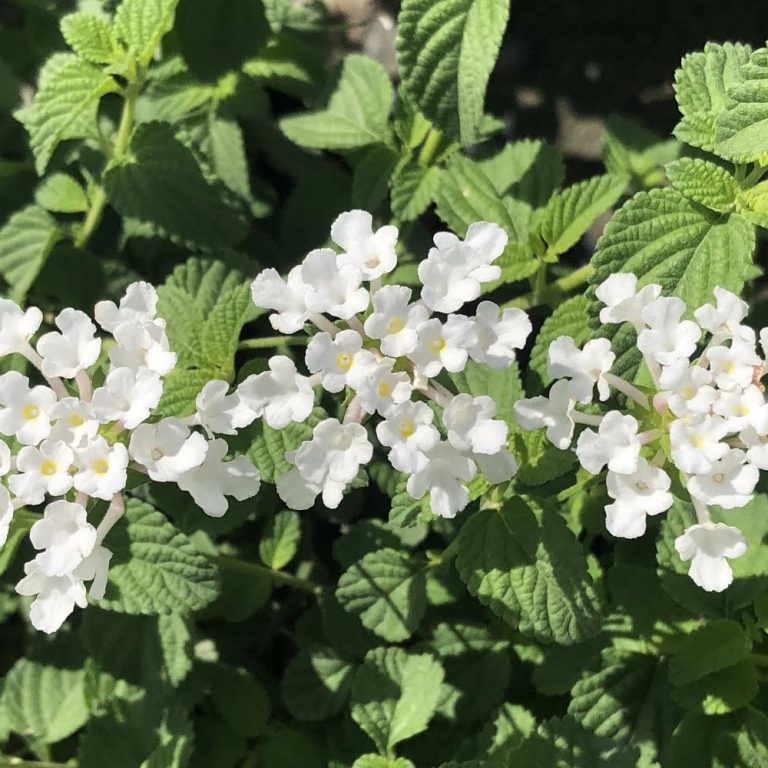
(395, 694)
(26, 241)
(176, 644)
(141, 24)
(89, 36)
(181, 388)
(240, 699)
(356, 115)
(526, 566)
(65, 105)
(42, 702)
(705, 183)
(539, 460)
(281, 539)
(316, 684)
(373, 171)
(387, 589)
(62, 194)
(503, 385)
(446, 51)
(571, 212)
(407, 511)
(721, 692)
(662, 237)
(156, 568)
(413, 188)
(379, 761)
(740, 129)
(701, 83)
(568, 319)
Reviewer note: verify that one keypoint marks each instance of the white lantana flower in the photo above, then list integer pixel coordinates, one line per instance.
(102, 469)
(332, 289)
(142, 345)
(623, 302)
(17, 327)
(471, 426)
(554, 412)
(757, 447)
(71, 349)
(280, 395)
(709, 546)
(139, 304)
(453, 271)
(443, 476)
(341, 361)
(394, 320)
(287, 297)
(167, 449)
(733, 367)
(689, 388)
(497, 468)
(697, 442)
(584, 367)
(43, 470)
(129, 395)
(742, 408)
(667, 338)
(382, 388)
(95, 568)
(443, 345)
(723, 321)
(373, 253)
(499, 334)
(55, 596)
(74, 421)
(65, 535)
(729, 483)
(615, 444)
(636, 495)
(210, 483)
(25, 411)
(408, 431)
(5, 458)
(6, 514)
(221, 413)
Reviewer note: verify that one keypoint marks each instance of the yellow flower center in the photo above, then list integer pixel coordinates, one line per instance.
(437, 344)
(741, 410)
(100, 466)
(718, 477)
(76, 420)
(344, 361)
(48, 468)
(373, 261)
(30, 412)
(697, 441)
(384, 389)
(731, 367)
(687, 392)
(407, 427)
(157, 454)
(395, 325)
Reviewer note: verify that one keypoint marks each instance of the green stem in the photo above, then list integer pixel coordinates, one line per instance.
(574, 279)
(273, 341)
(539, 284)
(754, 176)
(550, 294)
(429, 147)
(17, 762)
(287, 579)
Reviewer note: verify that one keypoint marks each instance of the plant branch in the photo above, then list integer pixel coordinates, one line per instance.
(286, 579)
(550, 293)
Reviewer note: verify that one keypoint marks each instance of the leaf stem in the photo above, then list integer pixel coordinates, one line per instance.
(273, 341)
(286, 579)
(429, 147)
(553, 292)
(18, 762)
(754, 176)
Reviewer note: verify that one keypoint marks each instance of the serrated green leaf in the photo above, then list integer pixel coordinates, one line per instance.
(379, 761)
(662, 237)
(43, 702)
(141, 24)
(752, 203)
(176, 645)
(705, 183)
(446, 51)
(181, 388)
(407, 511)
(89, 36)
(373, 169)
(701, 83)
(528, 569)
(65, 105)
(412, 190)
(222, 328)
(740, 129)
(26, 241)
(503, 385)
(539, 460)
(62, 194)
(316, 684)
(281, 539)
(155, 568)
(568, 319)
(571, 212)
(394, 695)
(357, 114)
(387, 589)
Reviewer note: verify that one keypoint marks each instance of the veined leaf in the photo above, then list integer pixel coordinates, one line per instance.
(65, 106)
(281, 539)
(700, 87)
(62, 194)
(741, 129)
(413, 188)
(89, 36)
(356, 115)
(446, 51)
(704, 182)
(141, 24)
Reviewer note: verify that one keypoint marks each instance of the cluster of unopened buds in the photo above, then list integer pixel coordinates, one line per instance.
(385, 349)
(704, 417)
(71, 445)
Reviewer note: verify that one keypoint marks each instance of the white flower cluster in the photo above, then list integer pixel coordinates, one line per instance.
(79, 447)
(705, 416)
(386, 350)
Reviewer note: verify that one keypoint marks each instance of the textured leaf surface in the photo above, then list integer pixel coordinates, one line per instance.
(704, 182)
(395, 694)
(281, 539)
(142, 23)
(413, 188)
(176, 645)
(446, 51)
(62, 194)
(529, 570)
(356, 115)
(89, 36)
(387, 589)
(155, 567)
